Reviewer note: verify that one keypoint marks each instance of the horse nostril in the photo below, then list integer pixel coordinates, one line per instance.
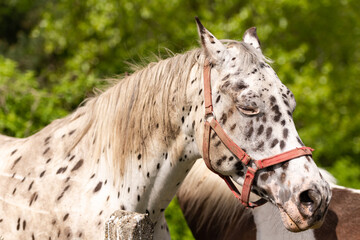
(310, 198)
(305, 198)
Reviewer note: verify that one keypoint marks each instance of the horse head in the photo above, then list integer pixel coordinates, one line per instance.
(255, 110)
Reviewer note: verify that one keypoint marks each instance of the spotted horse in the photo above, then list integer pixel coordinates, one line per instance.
(131, 146)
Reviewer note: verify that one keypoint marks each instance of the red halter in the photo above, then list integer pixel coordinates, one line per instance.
(237, 151)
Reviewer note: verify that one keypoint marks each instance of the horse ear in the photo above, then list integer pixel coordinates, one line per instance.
(250, 37)
(214, 49)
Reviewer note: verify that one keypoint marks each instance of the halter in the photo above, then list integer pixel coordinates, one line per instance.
(237, 151)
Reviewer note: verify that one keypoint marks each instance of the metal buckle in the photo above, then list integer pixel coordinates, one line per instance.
(209, 115)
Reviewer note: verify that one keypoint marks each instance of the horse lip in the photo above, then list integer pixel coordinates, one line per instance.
(288, 222)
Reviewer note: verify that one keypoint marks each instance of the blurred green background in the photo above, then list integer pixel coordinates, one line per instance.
(53, 53)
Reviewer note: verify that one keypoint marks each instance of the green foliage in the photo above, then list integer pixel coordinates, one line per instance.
(52, 54)
(177, 224)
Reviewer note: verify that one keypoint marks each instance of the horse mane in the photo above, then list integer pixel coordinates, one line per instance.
(126, 114)
(327, 176)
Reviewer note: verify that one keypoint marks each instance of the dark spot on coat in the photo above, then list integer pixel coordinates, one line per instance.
(268, 133)
(46, 150)
(139, 156)
(240, 86)
(264, 176)
(282, 177)
(306, 167)
(71, 132)
(13, 152)
(15, 162)
(24, 225)
(260, 130)
(282, 144)
(260, 147)
(285, 165)
(65, 217)
(285, 133)
(277, 117)
(226, 77)
(42, 173)
(272, 99)
(18, 224)
(78, 165)
(217, 143)
(250, 132)
(47, 139)
(98, 187)
(217, 99)
(223, 118)
(233, 127)
(61, 170)
(30, 186)
(274, 142)
(264, 119)
(299, 141)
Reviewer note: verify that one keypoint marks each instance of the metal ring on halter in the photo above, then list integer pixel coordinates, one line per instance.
(209, 115)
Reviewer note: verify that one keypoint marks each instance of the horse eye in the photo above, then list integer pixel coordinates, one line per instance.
(250, 111)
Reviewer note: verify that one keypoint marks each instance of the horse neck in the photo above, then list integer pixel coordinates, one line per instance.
(141, 133)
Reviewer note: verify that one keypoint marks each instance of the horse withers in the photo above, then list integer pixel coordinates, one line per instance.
(131, 146)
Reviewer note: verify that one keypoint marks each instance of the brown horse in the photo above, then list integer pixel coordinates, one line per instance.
(221, 216)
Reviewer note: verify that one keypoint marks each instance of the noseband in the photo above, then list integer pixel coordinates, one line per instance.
(212, 123)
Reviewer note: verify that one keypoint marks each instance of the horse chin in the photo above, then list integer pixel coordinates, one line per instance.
(288, 222)
(294, 222)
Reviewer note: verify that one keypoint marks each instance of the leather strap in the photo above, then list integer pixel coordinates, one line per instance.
(207, 89)
(237, 151)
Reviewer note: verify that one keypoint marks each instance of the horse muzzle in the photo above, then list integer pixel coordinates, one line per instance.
(307, 210)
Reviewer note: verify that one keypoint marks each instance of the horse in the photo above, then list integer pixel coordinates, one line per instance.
(130, 146)
(212, 212)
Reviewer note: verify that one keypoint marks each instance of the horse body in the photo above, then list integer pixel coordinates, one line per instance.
(58, 183)
(131, 147)
(205, 213)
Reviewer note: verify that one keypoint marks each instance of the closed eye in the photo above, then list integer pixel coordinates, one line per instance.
(248, 110)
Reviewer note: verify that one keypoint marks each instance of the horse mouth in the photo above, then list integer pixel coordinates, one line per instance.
(288, 222)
